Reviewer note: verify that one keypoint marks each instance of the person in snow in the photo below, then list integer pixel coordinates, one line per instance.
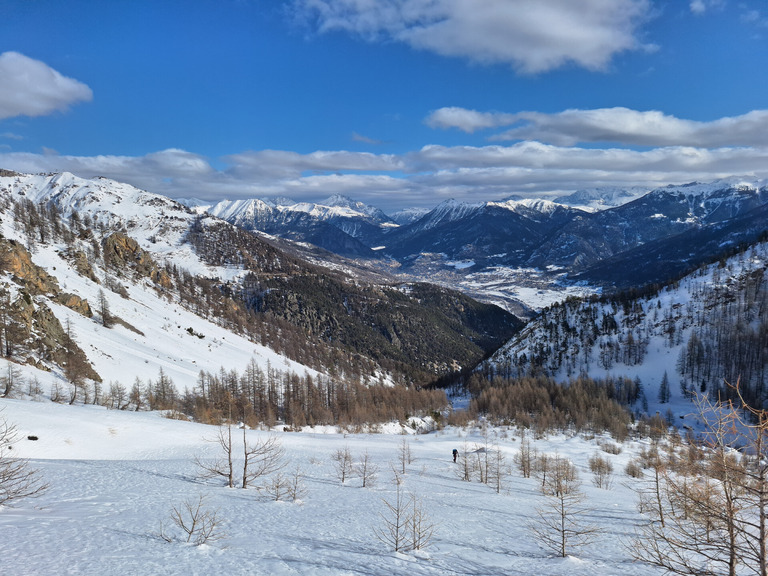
(455, 454)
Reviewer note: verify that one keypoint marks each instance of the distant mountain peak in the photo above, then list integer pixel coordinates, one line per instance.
(528, 205)
(340, 200)
(717, 186)
(408, 215)
(279, 201)
(448, 211)
(603, 197)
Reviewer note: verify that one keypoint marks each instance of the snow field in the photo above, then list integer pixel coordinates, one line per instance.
(114, 477)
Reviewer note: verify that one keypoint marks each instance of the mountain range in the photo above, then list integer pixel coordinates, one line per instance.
(373, 297)
(637, 236)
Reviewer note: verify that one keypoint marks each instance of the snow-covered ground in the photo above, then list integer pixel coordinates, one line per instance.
(114, 477)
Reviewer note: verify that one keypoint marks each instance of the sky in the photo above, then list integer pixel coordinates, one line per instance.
(395, 103)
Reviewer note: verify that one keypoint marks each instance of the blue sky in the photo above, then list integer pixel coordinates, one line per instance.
(396, 103)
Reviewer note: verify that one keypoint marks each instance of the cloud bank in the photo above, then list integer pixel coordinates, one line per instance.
(533, 36)
(29, 87)
(422, 177)
(617, 125)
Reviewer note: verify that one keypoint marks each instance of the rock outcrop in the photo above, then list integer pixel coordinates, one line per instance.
(121, 251)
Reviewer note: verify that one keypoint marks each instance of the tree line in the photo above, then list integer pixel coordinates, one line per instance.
(540, 403)
(259, 396)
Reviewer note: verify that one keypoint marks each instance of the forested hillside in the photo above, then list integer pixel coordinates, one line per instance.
(693, 335)
(412, 328)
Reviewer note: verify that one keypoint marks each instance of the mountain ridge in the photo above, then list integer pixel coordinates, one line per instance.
(565, 246)
(246, 282)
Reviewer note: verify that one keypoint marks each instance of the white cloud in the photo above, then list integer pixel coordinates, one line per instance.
(701, 6)
(698, 6)
(29, 87)
(618, 125)
(419, 178)
(754, 18)
(532, 35)
(165, 172)
(468, 120)
(365, 139)
(282, 163)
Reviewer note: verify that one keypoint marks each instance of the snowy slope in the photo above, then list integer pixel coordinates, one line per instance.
(114, 477)
(156, 222)
(163, 339)
(338, 209)
(641, 337)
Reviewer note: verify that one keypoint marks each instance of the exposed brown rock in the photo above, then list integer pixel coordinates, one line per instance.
(74, 302)
(161, 278)
(17, 260)
(61, 348)
(122, 251)
(83, 266)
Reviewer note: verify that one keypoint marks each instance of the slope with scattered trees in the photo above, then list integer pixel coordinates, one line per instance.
(712, 324)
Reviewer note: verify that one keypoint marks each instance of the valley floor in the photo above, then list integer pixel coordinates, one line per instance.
(114, 477)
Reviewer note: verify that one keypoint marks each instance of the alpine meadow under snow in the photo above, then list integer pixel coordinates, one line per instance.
(115, 477)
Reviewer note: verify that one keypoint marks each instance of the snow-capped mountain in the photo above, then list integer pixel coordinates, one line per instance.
(636, 237)
(339, 224)
(154, 221)
(661, 235)
(505, 232)
(543, 234)
(602, 198)
(108, 202)
(353, 208)
(444, 213)
(533, 208)
(408, 215)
